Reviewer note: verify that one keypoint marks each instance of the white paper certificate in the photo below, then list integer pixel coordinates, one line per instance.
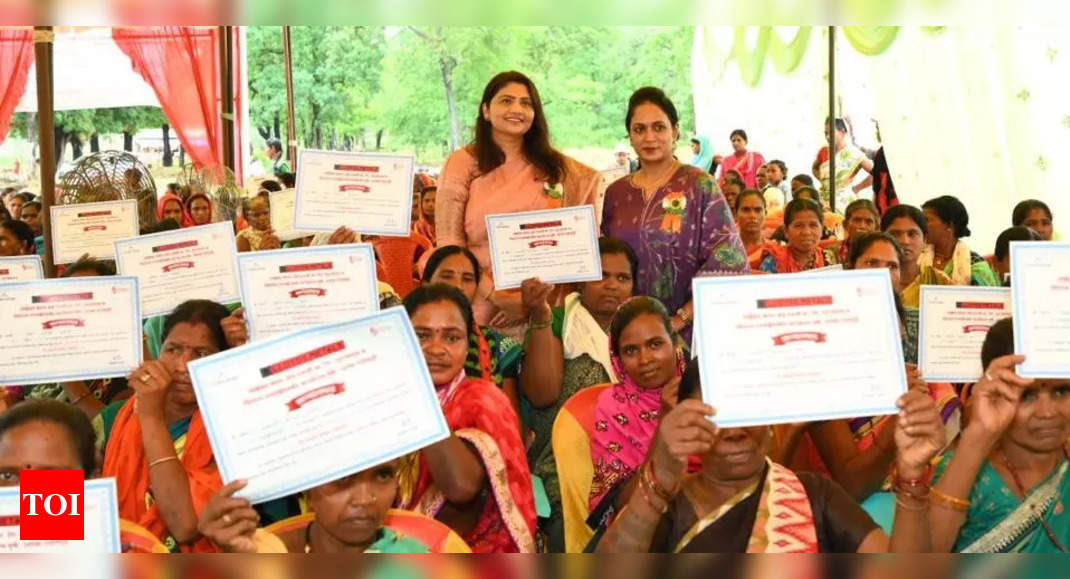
(78, 328)
(91, 228)
(290, 289)
(21, 268)
(282, 215)
(952, 326)
(801, 347)
(308, 407)
(1040, 290)
(184, 264)
(101, 520)
(556, 246)
(368, 193)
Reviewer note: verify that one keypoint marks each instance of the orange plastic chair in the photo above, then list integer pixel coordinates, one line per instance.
(137, 539)
(571, 440)
(398, 257)
(438, 537)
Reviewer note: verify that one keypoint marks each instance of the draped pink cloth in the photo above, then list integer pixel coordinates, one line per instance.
(181, 64)
(16, 56)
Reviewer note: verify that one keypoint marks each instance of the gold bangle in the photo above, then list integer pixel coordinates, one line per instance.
(899, 501)
(954, 503)
(162, 460)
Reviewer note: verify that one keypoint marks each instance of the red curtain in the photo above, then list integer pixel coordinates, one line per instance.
(181, 64)
(16, 56)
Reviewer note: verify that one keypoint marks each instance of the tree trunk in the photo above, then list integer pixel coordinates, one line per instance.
(181, 156)
(448, 63)
(76, 146)
(94, 143)
(31, 127)
(278, 134)
(265, 132)
(128, 141)
(59, 141)
(168, 154)
(379, 139)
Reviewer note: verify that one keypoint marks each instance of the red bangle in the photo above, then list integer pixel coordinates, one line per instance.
(652, 481)
(924, 482)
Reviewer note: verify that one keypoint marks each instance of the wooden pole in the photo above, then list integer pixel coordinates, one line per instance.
(832, 118)
(42, 38)
(291, 125)
(226, 83)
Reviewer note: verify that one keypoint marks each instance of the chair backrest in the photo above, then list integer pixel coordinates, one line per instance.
(398, 256)
(438, 537)
(571, 440)
(137, 539)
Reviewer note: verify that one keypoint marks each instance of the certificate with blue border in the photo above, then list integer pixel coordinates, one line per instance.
(794, 348)
(183, 264)
(553, 245)
(21, 268)
(370, 193)
(77, 328)
(952, 326)
(302, 409)
(1040, 291)
(289, 289)
(100, 517)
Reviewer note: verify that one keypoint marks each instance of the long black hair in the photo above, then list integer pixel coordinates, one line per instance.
(74, 421)
(537, 148)
(204, 312)
(631, 310)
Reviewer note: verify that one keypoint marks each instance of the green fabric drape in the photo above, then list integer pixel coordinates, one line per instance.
(870, 40)
(785, 55)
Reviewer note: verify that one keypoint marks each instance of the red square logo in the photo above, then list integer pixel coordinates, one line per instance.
(51, 505)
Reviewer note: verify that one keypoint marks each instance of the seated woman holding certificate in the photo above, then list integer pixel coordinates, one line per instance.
(860, 451)
(568, 350)
(908, 225)
(477, 481)
(510, 167)
(648, 367)
(156, 445)
(1004, 488)
(350, 515)
(491, 356)
(946, 252)
(743, 502)
(51, 435)
(803, 219)
(671, 214)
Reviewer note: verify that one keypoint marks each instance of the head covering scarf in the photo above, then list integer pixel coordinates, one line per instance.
(625, 419)
(704, 158)
(185, 220)
(189, 206)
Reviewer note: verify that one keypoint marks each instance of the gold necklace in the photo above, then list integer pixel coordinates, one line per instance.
(657, 183)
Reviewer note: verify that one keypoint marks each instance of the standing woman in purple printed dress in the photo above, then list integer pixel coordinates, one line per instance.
(672, 214)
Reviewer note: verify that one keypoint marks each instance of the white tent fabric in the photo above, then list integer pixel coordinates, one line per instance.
(90, 72)
(979, 112)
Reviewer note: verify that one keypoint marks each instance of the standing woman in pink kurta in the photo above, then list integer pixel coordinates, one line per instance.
(510, 167)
